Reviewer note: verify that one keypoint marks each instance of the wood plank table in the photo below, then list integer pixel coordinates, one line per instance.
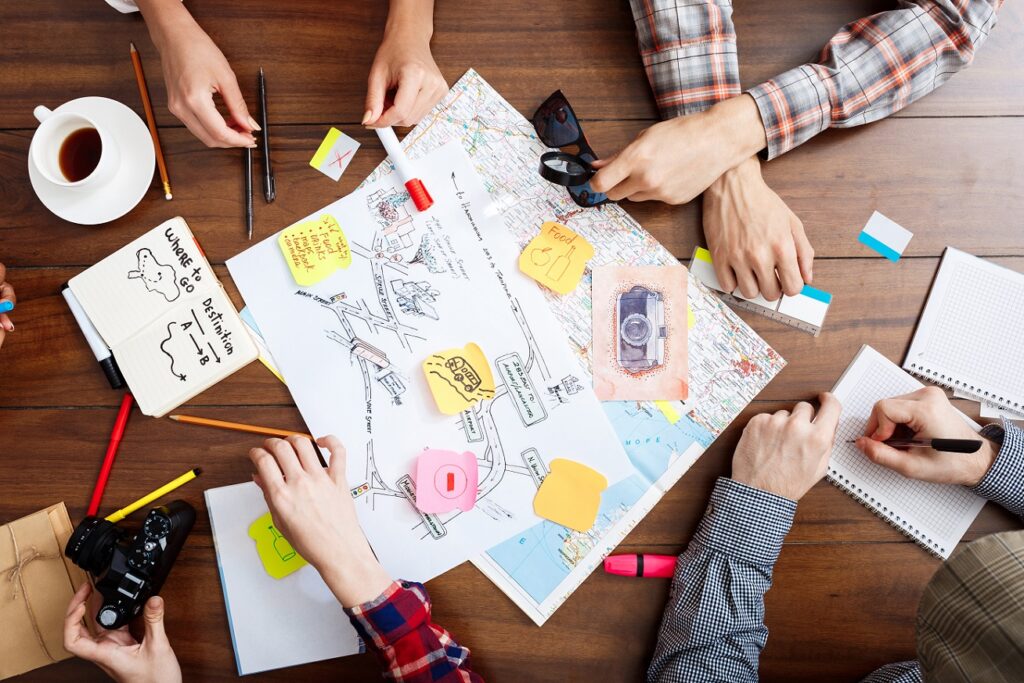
(950, 168)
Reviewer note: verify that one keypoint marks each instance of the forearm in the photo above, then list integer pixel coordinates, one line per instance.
(872, 68)
(713, 627)
(410, 19)
(164, 18)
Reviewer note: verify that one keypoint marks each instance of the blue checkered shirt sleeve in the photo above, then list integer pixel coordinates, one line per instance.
(1004, 482)
(713, 627)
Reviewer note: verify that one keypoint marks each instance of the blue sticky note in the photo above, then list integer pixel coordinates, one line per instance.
(885, 236)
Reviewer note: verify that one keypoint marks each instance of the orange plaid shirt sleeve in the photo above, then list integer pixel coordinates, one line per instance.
(871, 68)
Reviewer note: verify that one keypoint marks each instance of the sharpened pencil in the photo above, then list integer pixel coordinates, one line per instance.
(251, 429)
(147, 105)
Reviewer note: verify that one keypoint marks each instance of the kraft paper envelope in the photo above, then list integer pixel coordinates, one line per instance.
(36, 585)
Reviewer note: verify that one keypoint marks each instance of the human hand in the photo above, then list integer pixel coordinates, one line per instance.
(194, 70)
(313, 508)
(403, 63)
(787, 453)
(6, 294)
(755, 240)
(117, 652)
(930, 415)
(675, 160)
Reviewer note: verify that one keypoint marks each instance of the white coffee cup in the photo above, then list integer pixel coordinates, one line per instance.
(53, 130)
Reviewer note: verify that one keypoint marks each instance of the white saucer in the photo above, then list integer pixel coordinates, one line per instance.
(125, 190)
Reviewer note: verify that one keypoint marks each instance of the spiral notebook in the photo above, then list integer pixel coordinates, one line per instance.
(969, 336)
(936, 516)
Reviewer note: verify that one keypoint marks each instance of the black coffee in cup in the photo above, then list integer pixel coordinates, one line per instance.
(80, 154)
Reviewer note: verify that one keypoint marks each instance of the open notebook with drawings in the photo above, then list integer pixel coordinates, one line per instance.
(936, 516)
(969, 336)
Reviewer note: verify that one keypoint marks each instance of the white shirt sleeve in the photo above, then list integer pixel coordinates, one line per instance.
(124, 6)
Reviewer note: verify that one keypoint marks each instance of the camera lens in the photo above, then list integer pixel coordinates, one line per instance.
(92, 544)
(636, 329)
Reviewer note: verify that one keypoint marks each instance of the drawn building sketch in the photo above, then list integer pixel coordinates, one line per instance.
(157, 277)
(415, 298)
(388, 207)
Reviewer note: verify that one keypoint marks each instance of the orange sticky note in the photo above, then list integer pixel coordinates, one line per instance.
(570, 495)
(276, 553)
(556, 257)
(458, 378)
(315, 249)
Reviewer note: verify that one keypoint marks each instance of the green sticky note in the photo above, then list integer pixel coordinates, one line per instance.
(278, 556)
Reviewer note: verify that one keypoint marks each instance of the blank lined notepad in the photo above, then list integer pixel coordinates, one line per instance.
(936, 516)
(969, 336)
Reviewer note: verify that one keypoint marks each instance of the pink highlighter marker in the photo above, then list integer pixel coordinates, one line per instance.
(649, 566)
(417, 191)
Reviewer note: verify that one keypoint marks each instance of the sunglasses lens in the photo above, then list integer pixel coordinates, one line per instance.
(584, 196)
(555, 123)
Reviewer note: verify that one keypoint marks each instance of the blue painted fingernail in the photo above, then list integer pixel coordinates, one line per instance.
(6, 306)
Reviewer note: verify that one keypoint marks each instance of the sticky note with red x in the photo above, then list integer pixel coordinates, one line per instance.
(335, 154)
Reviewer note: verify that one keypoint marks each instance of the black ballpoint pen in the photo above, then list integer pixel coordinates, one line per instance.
(247, 159)
(269, 187)
(946, 445)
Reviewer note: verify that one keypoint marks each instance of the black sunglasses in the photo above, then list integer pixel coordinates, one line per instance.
(557, 126)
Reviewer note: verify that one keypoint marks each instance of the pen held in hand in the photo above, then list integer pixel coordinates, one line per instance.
(945, 445)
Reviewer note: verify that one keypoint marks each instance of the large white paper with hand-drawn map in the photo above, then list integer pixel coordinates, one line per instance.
(351, 349)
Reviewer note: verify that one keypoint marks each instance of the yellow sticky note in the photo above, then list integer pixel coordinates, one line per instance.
(276, 553)
(669, 411)
(570, 495)
(690, 320)
(315, 249)
(458, 378)
(556, 257)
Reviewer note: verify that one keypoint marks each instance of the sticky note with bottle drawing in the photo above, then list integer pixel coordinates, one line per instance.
(278, 556)
(315, 249)
(570, 494)
(556, 257)
(458, 378)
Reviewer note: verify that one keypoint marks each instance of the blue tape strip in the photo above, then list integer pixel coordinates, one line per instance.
(817, 294)
(879, 246)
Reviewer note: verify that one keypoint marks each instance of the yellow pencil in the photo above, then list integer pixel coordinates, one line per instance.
(146, 500)
(238, 426)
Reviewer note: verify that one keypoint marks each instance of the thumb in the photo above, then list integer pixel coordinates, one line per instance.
(228, 88)
(336, 469)
(153, 615)
(376, 88)
(601, 163)
(886, 456)
(613, 172)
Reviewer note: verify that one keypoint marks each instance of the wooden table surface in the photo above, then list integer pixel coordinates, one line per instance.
(950, 168)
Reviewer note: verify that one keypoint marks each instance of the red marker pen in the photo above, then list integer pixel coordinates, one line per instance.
(420, 197)
(650, 566)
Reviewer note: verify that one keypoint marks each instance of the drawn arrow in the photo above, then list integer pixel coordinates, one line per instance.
(199, 349)
(455, 183)
(213, 352)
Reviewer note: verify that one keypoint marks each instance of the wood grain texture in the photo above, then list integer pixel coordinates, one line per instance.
(846, 587)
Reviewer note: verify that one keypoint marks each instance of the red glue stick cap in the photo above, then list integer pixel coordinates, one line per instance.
(420, 197)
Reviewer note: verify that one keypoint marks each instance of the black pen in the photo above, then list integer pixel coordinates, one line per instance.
(247, 159)
(269, 187)
(946, 445)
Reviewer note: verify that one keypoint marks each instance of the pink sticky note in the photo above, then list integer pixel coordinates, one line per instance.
(445, 480)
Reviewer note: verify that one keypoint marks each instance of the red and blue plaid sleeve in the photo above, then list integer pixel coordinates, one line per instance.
(872, 68)
(689, 52)
(397, 627)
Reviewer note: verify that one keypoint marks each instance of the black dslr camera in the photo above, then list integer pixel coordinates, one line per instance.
(130, 569)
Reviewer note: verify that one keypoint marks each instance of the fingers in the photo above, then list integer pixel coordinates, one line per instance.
(7, 291)
(767, 282)
(632, 187)
(216, 132)
(284, 454)
(788, 269)
(781, 413)
(611, 173)
(376, 88)
(828, 412)
(409, 83)
(803, 411)
(235, 103)
(153, 615)
(307, 455)
(804, 250)
(903, 462)
(336, 470)
(77, 639)
(888, 414)
(270, 475)
(726, 277)
(746, 280)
